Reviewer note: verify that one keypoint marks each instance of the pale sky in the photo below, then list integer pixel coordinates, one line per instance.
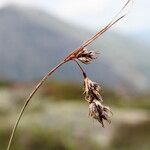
(93, 13)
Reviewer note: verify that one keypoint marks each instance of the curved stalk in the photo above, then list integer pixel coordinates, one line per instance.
(83, 72)
(28, 100)
(109, 25)
(103, 30)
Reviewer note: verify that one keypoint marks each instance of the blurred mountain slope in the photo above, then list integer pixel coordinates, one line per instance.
(32, 42)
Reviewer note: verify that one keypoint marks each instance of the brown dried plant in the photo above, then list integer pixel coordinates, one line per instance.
(91, 89)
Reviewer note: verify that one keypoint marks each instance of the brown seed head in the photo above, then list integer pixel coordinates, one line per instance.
(99, 112)
(91, 90)
(86, 56)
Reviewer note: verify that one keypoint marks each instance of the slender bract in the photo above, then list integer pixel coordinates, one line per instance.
(91, 89)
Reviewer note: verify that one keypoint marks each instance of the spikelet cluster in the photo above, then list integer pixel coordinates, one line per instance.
(92, 91)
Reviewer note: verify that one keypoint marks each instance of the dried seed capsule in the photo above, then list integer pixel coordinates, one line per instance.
(99, 112)
(86, 56)
(91, 90)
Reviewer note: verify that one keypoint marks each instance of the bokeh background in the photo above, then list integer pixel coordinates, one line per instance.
(35, 35)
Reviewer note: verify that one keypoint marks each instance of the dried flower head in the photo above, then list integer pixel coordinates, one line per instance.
(99, 112)
(91, 90)
(86, 56)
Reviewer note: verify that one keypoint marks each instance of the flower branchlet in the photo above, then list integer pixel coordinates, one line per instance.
(92, 92)
(92, 95)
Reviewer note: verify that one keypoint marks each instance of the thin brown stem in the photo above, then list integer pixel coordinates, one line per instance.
(109, 25)
(99, 33)
(83, 72)
(28, 100)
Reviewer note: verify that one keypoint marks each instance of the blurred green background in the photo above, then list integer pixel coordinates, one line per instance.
(57, 119)
(35, 36)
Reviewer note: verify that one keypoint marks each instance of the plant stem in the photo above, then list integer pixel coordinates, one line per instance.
(71, 56)
(28, 100)
(83, 72)
(103, 30)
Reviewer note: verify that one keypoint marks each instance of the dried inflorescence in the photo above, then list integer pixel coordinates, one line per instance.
(86, 56)
(99, 112)
(96, 109)
(92, 90)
